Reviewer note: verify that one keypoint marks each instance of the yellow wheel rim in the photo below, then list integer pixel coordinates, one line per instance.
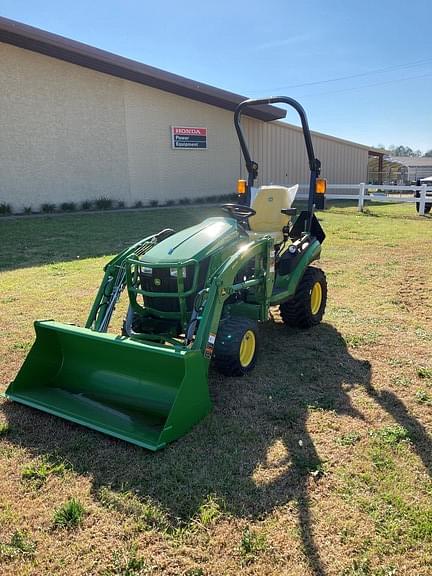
(247, 348)
(316, 298)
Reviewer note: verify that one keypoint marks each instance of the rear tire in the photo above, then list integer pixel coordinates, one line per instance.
(236, 346)
(307, 307)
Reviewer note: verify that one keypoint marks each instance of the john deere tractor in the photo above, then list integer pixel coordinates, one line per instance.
(195, 296)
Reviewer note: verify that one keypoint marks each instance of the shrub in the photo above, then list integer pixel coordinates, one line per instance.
(48, 208)
(170, 203)
(120, 204)
(138, 204)
(86, 205)
(5, 209)
(104, 203)
(154, 203)
(67, 206)
(184, 201)
(226, 198)
(27, 210)
(69, 515)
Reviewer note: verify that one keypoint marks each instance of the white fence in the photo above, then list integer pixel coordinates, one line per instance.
(369, 192)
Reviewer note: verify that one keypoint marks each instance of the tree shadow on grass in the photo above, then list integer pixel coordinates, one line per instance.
(229, 454)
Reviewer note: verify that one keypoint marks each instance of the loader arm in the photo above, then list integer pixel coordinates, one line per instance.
(114, 281)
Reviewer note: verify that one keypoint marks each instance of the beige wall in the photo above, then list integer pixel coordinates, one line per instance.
(62, 131)
(69, 133)
(280, 152)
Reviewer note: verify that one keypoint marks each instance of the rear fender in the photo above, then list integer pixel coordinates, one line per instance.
(286, 286)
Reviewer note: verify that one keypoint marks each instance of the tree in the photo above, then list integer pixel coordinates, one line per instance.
(403, 151)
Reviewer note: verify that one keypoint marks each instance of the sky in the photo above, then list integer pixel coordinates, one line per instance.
(361, 69)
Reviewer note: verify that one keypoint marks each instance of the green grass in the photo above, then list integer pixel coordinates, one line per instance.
(252, 544)
(391, 435)
(324, 452)
(69, 515)
(127, 563)
(37, 473)
(424, 373)
(19, 546)
(349, 439)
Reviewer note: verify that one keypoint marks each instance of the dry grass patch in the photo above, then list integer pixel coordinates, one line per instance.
(318, 463)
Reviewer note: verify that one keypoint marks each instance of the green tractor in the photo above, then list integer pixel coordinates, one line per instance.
(196, 296)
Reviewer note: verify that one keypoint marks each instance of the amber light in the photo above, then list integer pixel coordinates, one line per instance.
(320, 185)
(241, 186)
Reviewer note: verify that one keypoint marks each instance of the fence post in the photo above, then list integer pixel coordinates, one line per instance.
(422, 199)
(362, 187)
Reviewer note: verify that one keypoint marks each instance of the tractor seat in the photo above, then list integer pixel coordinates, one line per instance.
(268, 203)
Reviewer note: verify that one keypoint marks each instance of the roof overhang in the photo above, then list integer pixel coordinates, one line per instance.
(30, 38)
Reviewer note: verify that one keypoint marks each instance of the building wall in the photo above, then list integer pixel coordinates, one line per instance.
(418, 172)
(69, 133)
(62, 131)
(280, 151)
(72, 134)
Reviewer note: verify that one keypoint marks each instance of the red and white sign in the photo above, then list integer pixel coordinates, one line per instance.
(188, 137)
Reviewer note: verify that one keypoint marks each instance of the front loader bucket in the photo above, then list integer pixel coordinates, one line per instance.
(142, 393)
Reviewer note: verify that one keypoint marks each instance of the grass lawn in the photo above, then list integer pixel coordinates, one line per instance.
(319, 462)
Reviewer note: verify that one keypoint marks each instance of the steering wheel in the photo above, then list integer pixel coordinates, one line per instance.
(238, 211)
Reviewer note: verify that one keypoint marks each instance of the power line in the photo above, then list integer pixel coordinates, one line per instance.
(367, 85)
(338, 79)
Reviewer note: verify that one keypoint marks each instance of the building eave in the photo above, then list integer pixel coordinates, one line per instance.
(55, 46)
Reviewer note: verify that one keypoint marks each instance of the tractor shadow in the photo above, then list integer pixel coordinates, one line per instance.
(228, 454)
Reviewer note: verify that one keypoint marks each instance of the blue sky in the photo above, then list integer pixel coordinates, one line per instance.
(362, 69)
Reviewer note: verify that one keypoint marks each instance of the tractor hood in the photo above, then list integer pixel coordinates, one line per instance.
(196, 242)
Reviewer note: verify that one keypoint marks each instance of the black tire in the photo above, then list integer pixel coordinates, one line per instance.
(133, 321)
(226, 356)
(298, 311)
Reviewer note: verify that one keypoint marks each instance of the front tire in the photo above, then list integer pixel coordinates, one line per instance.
(307, 307)
(236, 346)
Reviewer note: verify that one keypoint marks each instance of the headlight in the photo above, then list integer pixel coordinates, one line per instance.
(175, 272)
(146, 270)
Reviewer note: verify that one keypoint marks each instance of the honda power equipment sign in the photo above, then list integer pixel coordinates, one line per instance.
(188, 137)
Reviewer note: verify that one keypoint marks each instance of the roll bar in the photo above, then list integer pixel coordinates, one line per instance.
(252, 166)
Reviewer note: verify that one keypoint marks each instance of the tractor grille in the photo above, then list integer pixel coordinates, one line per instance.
(160, 280)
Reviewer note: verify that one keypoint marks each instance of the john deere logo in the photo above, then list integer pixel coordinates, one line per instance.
(270, 198)
(157, 281)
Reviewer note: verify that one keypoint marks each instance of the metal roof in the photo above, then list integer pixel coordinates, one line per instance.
(30, 38)
(411, 161)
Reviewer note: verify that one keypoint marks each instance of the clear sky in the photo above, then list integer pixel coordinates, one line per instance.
(362, 69)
